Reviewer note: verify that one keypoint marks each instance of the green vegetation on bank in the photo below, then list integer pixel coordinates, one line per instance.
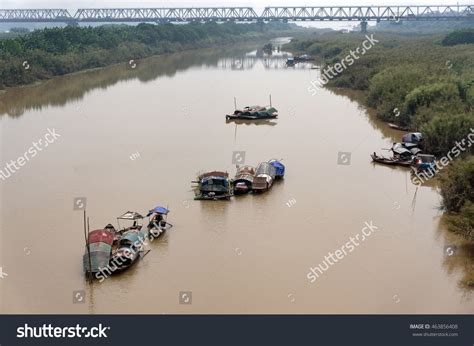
(58, 51)
(423, 82)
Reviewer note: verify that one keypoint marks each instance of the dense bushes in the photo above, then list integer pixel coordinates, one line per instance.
(459, 37)
(457, 184)
(417, 82)
(58, 51)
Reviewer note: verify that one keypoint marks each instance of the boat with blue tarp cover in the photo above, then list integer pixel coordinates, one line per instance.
(157, 224)
(279, 168)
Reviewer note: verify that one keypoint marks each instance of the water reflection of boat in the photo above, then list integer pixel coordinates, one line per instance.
(267, 122)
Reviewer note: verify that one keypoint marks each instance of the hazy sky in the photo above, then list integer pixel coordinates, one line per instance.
(73, 4)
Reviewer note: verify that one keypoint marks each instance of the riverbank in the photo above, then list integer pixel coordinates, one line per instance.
(46, 53)
(424, 83)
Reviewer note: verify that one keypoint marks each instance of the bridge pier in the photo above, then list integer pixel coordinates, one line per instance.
(363, 27)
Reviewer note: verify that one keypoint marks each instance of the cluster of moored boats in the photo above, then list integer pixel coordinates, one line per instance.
(111, 250)
(408, 153)
(218, 185)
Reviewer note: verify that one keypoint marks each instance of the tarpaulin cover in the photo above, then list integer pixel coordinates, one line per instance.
(101, 235)
(98, 261)
(158, 210)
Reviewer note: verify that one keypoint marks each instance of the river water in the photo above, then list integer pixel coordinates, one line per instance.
(132, 137)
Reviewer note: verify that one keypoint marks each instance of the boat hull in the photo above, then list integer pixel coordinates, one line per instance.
(390, 162)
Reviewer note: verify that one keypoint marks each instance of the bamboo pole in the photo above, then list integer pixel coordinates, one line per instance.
(86, 238)
(89, 251)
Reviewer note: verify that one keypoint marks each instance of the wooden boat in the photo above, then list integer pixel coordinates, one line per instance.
(423, 163)
(398, 127)
(303, 58)
(243, 181)
(98, 249)
(264, 177)
(254, 113)
(157, 224)
(213, 185)
(130, 246)
(279, 168)
(390, 161)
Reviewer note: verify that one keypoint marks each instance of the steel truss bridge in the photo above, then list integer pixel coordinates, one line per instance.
(239, 14)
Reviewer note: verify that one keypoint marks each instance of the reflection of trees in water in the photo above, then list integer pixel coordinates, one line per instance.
(62, 90)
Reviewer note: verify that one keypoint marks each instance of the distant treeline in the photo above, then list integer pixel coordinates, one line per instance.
(44, 53)
(459, 37)
(423, 82)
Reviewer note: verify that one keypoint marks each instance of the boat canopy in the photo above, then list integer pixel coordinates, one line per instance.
(214, 174)
(400, 150)
(134, 237)
(131, 215)
(425, 158)
(214, 184)
(265, 168)
(279, 167)
(414, 137)
(101, 236)
(100, 247)
(158, 210)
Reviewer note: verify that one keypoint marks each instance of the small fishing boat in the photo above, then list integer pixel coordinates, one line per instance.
(264, 177)
(243, 180)
(157, 224)
(398, 127)
(279, 168)
(304, 58)
(401, 152)
(130, 246)
(290, 62)
(392, 161)
(98, 249)
(254, 113)
(213, 185)
(423, 163)
(136, 220)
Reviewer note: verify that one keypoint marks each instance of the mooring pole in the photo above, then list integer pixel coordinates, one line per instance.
(235, 104)
(89, 250)
(270, 100)
(86, 238)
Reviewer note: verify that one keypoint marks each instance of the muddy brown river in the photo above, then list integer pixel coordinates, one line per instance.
(133, 137)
